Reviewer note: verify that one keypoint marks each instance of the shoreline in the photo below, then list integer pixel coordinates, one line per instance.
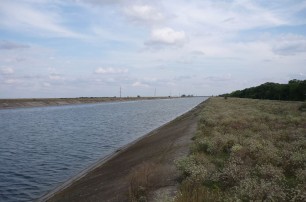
(99, 163)
(44, 102)
(88, 179)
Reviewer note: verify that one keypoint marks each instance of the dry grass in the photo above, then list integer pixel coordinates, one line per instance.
(247, 150)
(194, 192)
(143, 179)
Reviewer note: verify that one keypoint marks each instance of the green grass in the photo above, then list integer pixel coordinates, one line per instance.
(246, 150)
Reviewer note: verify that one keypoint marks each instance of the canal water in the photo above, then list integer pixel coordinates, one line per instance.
(42, 147)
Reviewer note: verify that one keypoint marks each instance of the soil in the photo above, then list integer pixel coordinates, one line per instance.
(148, 162)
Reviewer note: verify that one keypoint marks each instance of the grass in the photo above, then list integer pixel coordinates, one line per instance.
(246, 150)
(140, 182)
(143, 179)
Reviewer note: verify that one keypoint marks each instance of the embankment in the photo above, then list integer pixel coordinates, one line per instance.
(142, 169)
(43, 102)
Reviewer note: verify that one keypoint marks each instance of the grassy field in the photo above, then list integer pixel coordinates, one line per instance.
(246, 150)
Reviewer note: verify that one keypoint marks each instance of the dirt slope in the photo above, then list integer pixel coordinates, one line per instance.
(143, 169)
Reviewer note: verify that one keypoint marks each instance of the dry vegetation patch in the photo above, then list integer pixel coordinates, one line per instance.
(247, 150)
(143, 179)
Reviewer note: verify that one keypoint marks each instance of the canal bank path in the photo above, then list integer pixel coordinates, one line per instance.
(144, 168)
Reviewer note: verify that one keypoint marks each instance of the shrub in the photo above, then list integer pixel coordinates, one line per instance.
(293, 161)
(252, 189)
(234, 171)
(303, 107)
(301, 175)
(236, 148)
(269, 172)
(298, 194)
(248, 150)
(191, 169)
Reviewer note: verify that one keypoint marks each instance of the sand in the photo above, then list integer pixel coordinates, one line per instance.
(149, 162)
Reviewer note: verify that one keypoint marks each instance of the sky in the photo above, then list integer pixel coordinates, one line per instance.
(91, 48)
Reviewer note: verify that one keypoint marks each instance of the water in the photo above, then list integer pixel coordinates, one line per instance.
(41, 148)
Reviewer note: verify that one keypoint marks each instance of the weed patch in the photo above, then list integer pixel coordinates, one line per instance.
(246, 150)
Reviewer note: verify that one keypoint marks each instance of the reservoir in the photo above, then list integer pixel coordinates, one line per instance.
(40, 148)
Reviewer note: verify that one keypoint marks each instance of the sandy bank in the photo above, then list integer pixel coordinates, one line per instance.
(146, 163)
(42, 102)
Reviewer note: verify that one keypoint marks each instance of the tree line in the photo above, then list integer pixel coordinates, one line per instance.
(295, 90)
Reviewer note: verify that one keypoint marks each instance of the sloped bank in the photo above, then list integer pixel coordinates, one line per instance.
(43, 102)
(143, 169)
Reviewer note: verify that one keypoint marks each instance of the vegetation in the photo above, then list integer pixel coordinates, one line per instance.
(142, 182)
(295, 90)
(246, 150)
(186, 95)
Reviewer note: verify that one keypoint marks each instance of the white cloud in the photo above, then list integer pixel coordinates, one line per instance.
(110, 70)
(139, 84)
(167, 36)
(46, 84)
(197, 53)
(219, 78)
(100, 2)
(8, 45)
(143, 13)
(289, 45)
(34, 19)
(11, 81)
(212, 16)
(203, 38)
(55, 77)
(7, 70)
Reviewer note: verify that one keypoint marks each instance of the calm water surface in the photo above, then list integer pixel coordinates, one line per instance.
(41, 148)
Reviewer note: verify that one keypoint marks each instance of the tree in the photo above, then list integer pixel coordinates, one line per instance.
(294, 90)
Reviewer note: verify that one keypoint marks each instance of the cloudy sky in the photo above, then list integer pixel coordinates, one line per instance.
(72, 48)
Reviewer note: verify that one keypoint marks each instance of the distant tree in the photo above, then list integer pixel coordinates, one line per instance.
(295, 90)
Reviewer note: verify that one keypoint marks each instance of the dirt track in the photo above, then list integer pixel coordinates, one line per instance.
(149, 163)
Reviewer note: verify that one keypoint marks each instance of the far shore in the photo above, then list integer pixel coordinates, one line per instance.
(43, 102)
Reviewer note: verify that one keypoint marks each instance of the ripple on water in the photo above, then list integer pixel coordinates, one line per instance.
(42, 147)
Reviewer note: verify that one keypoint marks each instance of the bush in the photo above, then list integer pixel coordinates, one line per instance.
(253, 189)
(303, 107)
(191, 169)
(248, 150)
